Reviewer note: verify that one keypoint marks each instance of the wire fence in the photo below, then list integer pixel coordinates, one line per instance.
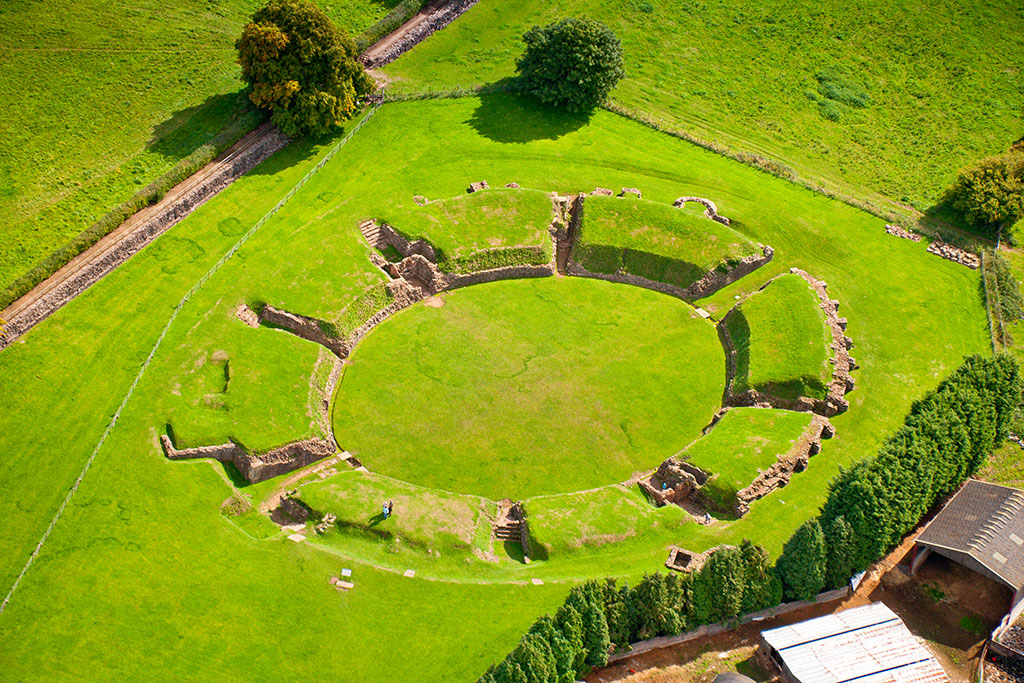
(174, 314)
(993, 307)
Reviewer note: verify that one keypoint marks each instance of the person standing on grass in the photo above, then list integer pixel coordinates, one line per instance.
(391, 507)
(387, 510)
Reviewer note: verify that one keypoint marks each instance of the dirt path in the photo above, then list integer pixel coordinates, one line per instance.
(376, 50)
(105, 256)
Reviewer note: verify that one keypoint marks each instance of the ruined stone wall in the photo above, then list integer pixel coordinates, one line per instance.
(710, 209)
(456, 281)
(256, 468)
(407, 247)
(435, 22)
(842, 363)
(707, 285)
(245, 160)
(302, 326)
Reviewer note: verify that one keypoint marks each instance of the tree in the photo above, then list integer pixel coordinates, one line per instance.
(300, 67)
(990, 194)
(572, 63)
(839, 565)
(802, 563)
(763, 588)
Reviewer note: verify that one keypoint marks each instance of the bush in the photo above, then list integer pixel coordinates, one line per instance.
(573, 63)
(990, 194)
(300, 67)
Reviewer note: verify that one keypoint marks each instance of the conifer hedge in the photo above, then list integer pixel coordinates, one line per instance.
(869, 508)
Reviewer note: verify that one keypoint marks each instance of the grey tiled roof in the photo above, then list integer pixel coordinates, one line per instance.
(986, 522)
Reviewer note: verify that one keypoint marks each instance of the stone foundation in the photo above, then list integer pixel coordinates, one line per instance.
(302, 326)
(682, 560)
(256, 468)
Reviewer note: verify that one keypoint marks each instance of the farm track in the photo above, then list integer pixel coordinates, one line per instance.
(32, 308)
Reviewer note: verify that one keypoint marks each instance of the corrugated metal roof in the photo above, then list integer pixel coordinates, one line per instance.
(867, 644)
(985, 521)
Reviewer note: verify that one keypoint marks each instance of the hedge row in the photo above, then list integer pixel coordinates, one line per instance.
(147, 196)
(870, 507)
(600, 615)
(494, 258)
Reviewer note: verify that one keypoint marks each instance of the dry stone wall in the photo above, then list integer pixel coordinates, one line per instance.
(256, 468)
(245, 160)
(435, 22)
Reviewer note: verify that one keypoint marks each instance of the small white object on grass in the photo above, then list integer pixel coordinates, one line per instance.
(537, 582)
(298, 538)
(346, 572)
(409, 573)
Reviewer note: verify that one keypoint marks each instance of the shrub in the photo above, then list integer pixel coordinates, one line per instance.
(830, 110)
(573, 63)
(300, 67)
(990, 194)
(836, 85)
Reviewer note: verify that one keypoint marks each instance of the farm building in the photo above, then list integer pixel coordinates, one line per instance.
(868, 644)
(982, 528)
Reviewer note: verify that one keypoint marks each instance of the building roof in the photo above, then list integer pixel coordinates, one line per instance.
(984, 522)
(866, 644)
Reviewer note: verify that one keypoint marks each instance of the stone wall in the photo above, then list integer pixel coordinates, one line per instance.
(435, 22)
(842, 363)
(779, 474)
(302, 326)
(710, 209)
(953, 253)
(268, 140)
(256, 468)
(707, 285)
(504, 273)
(407, 247)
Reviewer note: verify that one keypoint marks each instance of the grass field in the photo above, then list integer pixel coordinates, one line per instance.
(917, 89)
(741, 444)
(557, 385)
(461, 226)
(656, 241)
(144, 574)
(782, 341)
(99, 99)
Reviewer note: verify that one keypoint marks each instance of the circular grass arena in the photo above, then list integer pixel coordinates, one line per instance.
(528, 387)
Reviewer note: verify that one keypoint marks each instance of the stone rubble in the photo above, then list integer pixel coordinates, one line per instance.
(476, 187)
(955, 254)
(903, 233)
(710, 209)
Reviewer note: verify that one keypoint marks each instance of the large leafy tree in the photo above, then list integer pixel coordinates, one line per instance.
(573, 63)
(990, 194)
(300, 67)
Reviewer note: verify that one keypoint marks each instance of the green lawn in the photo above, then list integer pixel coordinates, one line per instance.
(144, 574)
(655, 240)
(557, 384)
(782, 341)
(942, 80)
(464, 225)
(744, 442)
(98, 99)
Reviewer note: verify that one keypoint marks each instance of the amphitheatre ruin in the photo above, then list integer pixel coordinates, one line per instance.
(371, 402)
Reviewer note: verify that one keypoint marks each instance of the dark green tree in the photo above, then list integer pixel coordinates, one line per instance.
(572, 63)
(569, 623)
(657, 608)
(619, 613)
(561, 652)
(762, 587)
(990, 193)
(839, 565)
(300, 67)
(801, 565)
(719, 586)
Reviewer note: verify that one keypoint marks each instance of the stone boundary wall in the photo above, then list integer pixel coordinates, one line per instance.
(456, 281)
(953, 253)
(256, 468)
(435, 22)
(710, 209)
(707, 285)
(842, 362)
(244, 161)
(404, 246)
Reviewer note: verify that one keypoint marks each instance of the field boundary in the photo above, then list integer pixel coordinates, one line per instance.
(993, 310)
(174, 314)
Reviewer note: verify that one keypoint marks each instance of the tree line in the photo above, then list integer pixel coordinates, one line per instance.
(870, 507)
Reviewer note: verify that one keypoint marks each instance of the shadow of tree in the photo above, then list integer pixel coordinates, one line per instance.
(188, 129)
(516, 118)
